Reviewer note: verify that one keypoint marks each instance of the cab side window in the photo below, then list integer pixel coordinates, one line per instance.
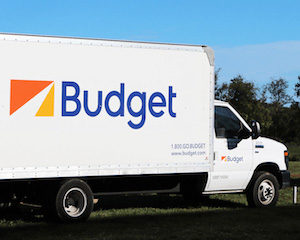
(227, 125)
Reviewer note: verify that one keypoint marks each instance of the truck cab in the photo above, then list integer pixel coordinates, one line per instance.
(244, 161)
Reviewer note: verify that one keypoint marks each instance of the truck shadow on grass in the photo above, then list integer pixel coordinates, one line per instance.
(173, 223)
(162, 202)
(29, 214)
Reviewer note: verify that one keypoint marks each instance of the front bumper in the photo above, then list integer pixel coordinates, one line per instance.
(285, 178)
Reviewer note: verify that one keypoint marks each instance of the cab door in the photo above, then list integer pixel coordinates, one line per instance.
(233, 152)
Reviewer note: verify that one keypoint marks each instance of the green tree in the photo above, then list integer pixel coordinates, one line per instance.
(297, 88)
(262, 112)
(221, 92)
(217, 72)
(278, 92)
(267, 105)
(242, 96)
(294, 123)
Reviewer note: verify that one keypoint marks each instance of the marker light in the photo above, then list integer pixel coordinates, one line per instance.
(286, 159)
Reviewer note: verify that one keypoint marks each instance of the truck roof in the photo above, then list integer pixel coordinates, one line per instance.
(97, 41)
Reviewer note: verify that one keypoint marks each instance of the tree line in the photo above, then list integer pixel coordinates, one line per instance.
(277, 111)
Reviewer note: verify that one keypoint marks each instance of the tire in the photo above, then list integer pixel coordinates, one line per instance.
(74, 201)
(264, 190)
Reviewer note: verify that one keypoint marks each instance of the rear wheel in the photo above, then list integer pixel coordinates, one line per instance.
(264, 191)
(74, 201)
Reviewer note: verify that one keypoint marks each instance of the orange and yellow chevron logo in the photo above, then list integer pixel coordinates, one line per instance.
(224, 158)
(22, 91)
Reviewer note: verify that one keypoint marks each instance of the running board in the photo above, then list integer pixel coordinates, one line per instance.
(223, 191)
(172, 190)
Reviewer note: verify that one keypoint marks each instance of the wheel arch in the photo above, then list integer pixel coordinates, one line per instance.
(270, 167)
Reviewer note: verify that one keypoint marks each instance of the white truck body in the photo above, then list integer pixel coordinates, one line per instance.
(86, 116)
(84, 145)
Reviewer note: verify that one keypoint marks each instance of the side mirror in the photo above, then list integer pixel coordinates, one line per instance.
(255, 126)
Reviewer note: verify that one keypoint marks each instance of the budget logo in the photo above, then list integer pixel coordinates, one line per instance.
(234, 159)
(136, 103)
(22, 91)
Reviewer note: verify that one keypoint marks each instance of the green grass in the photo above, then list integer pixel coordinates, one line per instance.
(168, 217)
(176, 223)
(295, 169)
(218, 219)
(294, 151)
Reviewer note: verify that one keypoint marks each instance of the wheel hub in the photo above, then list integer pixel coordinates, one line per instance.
(75, 202)
(266, 192)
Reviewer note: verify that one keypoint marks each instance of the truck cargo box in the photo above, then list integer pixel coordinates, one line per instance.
(87, 107)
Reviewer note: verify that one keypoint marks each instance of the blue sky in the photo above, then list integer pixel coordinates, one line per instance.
(258, 39)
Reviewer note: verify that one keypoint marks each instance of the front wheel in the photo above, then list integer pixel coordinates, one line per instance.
(264, 191)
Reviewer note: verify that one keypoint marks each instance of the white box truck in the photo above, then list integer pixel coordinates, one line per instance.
(88, 117)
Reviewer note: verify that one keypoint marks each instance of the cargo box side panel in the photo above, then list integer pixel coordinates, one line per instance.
(35, 144)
